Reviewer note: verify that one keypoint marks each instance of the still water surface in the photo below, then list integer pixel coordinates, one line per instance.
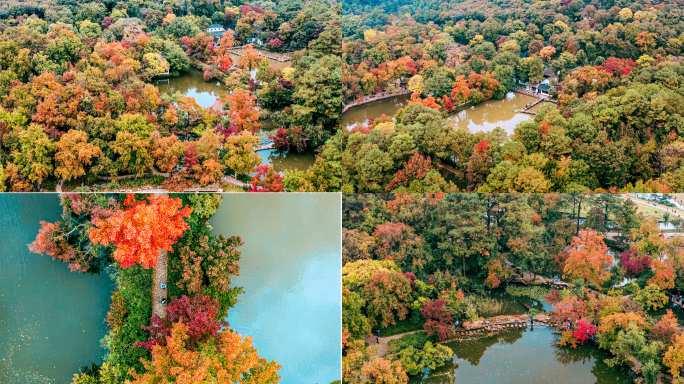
(483, 117)
(290, 270)
(527, 357)
(51, 320)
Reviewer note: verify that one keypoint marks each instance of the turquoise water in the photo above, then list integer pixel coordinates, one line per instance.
(51, 320)
(290, 270)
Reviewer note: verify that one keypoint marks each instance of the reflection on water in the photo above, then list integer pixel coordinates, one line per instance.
(491, 114)
(207, 94)
(482, 117)
(192, 84)
(51, 320)
(291, 276)
(281, 161)
(362, 114)
(526, 357)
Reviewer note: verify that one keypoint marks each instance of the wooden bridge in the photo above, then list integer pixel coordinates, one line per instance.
(376, 97)
(529, 106)
(264, 147)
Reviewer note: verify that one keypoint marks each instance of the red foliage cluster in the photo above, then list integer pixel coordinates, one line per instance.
(617, 66)
(633, 264)
(584, 330)
(439, 321)
(266, 179)
(389, 233)
(415, 169)
(275, 43)
(199, 313)
(482, 146)
(569, 310)
(142, 230)
(281, 141)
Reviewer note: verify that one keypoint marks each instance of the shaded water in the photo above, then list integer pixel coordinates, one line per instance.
(362, 114)
(206, 94)
(291, 277)
(526, 357)
(51, 320)
(283, 161)
(482, 117)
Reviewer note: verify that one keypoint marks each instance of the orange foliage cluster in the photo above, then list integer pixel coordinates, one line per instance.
(587, 258)
(243, 111)
(142, 230)
(228, 358)
(663, 274)
(621, 320)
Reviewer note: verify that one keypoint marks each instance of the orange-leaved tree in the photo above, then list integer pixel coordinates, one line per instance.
(142, 230)
(587, 258)
(226, 358)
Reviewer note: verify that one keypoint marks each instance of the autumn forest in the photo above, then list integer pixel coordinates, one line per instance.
(482, 191)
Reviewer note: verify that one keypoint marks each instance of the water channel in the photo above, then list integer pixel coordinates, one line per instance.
(483, 117)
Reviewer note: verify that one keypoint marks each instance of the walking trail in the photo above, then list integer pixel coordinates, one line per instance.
(159, 277)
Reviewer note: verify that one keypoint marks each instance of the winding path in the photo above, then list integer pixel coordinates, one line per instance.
(381, 344)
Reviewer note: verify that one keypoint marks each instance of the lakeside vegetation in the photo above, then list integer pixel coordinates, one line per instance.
(80, 110)
(614, 68)
(425, 271)
(158, 330)
(78, 104)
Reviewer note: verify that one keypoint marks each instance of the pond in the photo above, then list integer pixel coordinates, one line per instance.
(206, 94)
(291, 279)
(192, 84)
(362, 114)
(491, 114)
(526, 357)
(483, 117)
(283, 161)
(51, 320)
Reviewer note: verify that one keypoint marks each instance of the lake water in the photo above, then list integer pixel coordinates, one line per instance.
(51, 320)
(290, 270)
(192, 84)
(531, 357)
(483, 117)
(526, 357)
